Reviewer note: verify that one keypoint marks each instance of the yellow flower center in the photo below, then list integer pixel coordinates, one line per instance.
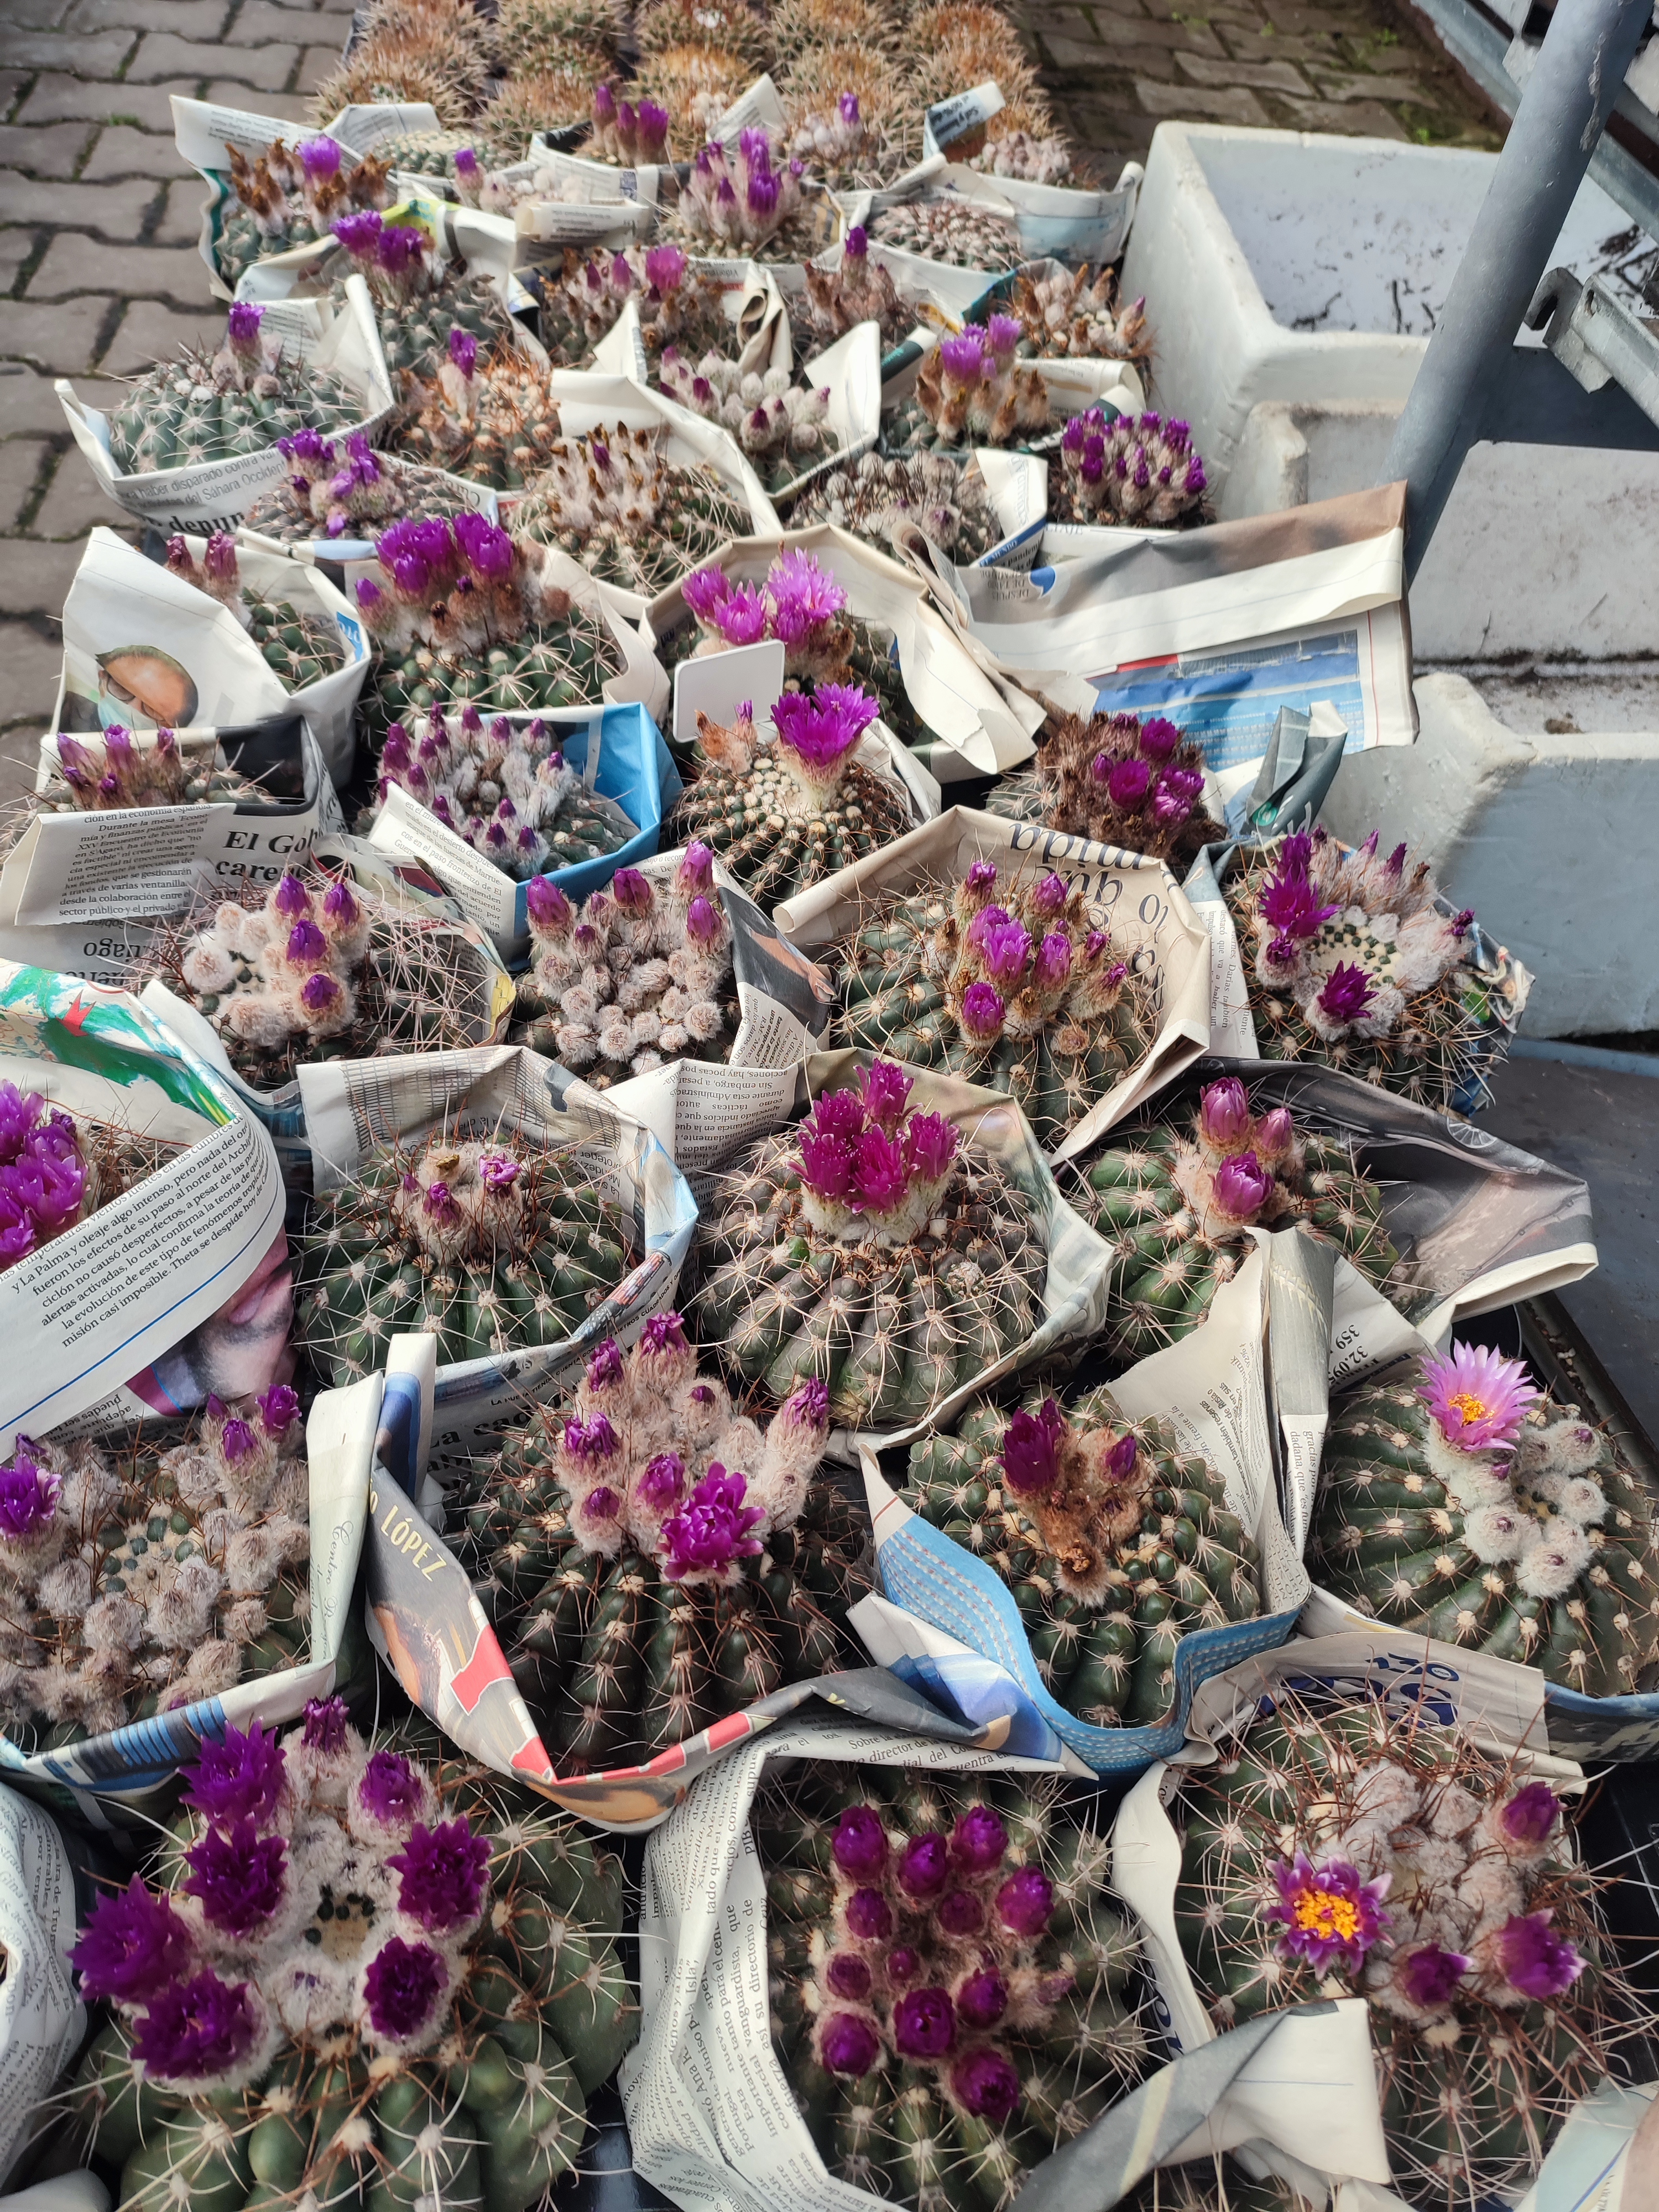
(1472, 1408)
(1322, 1912)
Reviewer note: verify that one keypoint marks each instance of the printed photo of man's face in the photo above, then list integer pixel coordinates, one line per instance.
(144, 688)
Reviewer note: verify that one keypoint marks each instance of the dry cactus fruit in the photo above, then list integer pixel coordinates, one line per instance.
(888, 501)
(616, 502)
(950, 1985)
(335, 490)
(728, 25)
(1116, 779)
(872, 1249)
(121, 767)
(632, 133)
(973, 390)
(786, 813)
(1113, 1542)
(1065, 312)
(221, 406)
(581, 300)
(654, 1559)
(1140, 470)
(538, 34)
(781, 428)
(736, 198)
(1474, 1510)
(1353, 1853)
(491, 1245)
(286, 198)
(461, 615)
(506, 790)
(367, 1969)
(1351, 959)
(299, 645)
(1011, 981)
(1040, 159)
(858, 290)
(145, 1574)
(950, 229)
(493, 420)
(1178, 1199)
(634, 976)
(419, 300)
(316, 970)
(697, 83)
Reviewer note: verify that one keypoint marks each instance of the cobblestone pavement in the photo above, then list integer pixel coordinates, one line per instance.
(100, 271)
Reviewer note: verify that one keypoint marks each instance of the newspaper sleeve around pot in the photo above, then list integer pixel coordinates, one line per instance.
(1213, 1392)
(978, 727)
(1072, 224)
(42, 2020)
(215, 495)
(1152, 928)
(197, 663)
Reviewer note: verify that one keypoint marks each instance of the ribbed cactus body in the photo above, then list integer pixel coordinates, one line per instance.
(242, 241)
(1116, 779)
(950, 230)
(427, 153)
(886, 501)
(414, 333)
(563, 663)
(774, 852)
(1110, 1569)
(511, 1255)
(299, 647)
(616, 503)
(951, 1995)
(181, 413)
(499, 426)
(1546, 1557)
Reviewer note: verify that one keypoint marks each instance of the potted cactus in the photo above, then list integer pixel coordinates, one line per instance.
(489, 417)
(1115, 1544)
(122, 769)
(56, 1169)
(973, 389)
(618, 503)
(786, 813)
(1122, 780)
(952, 1995)
(874, 1248)
(679, 303)
(344, 492)
(1069, 312)
(961, 233)
(149, 1572)
(743, 198)
(887, 499)
(1139, 470)
(1349, 1852)
(287, 197)
(1474, 1509)
(781, 428)
(1179, 1198)
(299, 645)
(1008, 977)
(361, 1967)
(419, 298)
(856, 290)
(488, 1243)
(654, 1558)
(1355, 959)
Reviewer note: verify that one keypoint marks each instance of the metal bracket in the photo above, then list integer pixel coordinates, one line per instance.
(1596, 338)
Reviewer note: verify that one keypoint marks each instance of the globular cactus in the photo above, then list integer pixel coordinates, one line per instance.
(55, 1171)
(1010, 981)
(634, 976)
(490, 1244)
(224, 406)
(1353, 960)
(1178, 1199)
(729, 25)
(654, 1559)
(506, 791)
(782, 428)
(616, 502)
(461, 615)
(144, 1573)
(833, 140)
(315, 969)
(301, 646)
(697, 83)
(1473, 1509)
(581, 300)
(743, 198)
(872, 1249)
(1348, 1853)
(1040, 159)
(538, 34)
(493, 420)
(973, 390)
(631, 133)
(888, 502)
(962, 42)
(286, 198)
(367, 1971)
(1116, 779)
(953, 1994)
(803, 29)
(1114, 1543)
(345, 489)
(851, 152)
(786, 813)
(858, 290)
(440, 153)
(950, 229)
(542, 100)
(1065, 312)
(1140, 469)
(431, 51)
(418, 298)
(124, 767)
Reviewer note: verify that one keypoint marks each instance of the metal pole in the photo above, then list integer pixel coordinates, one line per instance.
(1580, 68)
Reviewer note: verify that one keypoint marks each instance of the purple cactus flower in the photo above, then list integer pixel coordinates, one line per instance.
(879, 1182)
(340, 908)
(400, 249)
(1348, 991)
(741, 616)
(549, 910)
(1429, 1976)
(822, 730)
(856, 244)
(903, 1965)
(982, 1999)
(1053, 963)
(1030, 1448)
(319, 158)
(762, 192)
(305, 942)
(1158, 740)
(664, 1332)
(401, 1988)
(133, 1943)
(696, 873)
(196, 2030)
(662, 1485)
(1224, 1112)
(1025, 1901)
(601, 1506)
(241, 1877)
(241, 1778)
(1242, 1186)
(360, 234)
(1121, 1458)
(869, 1916)
(712, 1531)
(1005, 333)
(807, 1405)
(632, 893)
(704, 589)
(1289, 903)
(924, 1865)
(293, 900)
(979, 1840)
(590, 1442)
(1276, 1134)
(327, 1723)
(1327, 1915)
(389, 1789)
(848, 1977)
(1049, 896)
(1534, 1958)
(985, 2083)
(983, 1010)
(1127, 782)
(1006, 949)
(319, 992)
(1530, 1815)
(883, 1088)
(703, 922)
(438, 1201)
(960, 1914)
(467, 164)
(442, 1873)
(236, 1441)
(28, 1498)
(605, 1365)
(848, 2045)
(664, 272)
(962, 359)
(930, 1147)
(858, 1847)
(924, 2024)
(463, 351)
(242, 326)
(498, 1171)
(486, 548)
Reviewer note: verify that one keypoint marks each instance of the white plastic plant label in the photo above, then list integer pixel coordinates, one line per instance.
(956, 127)
(719, 684)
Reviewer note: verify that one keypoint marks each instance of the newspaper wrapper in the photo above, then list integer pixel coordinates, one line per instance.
(942, 298)
(1212, 1389)
(472, 970)
(1219, 628)
(1153, 927)
(180, 658)
(978, 724)
(111, 1297)
(42, 2019)
(1603, 2159)
(588, 403)
(619, 752)
(591, 208)
(750, 300)
(289, 285)
(133, 1766)
(74, 883)
(1469, 1699)
(643, 182)
(210, 495)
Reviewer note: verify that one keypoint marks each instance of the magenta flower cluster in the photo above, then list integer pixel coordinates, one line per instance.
(798, 603)
(43, 1178)
(1144, 782)
(712, 1530)
(818, 733)
(859, 1150)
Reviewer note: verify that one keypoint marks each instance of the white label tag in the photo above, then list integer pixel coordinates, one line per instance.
(718, 684)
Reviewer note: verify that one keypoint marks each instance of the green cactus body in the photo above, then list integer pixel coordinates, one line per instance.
(1347, 1853)
(613, 501)
(563, 663)
(623, 1640)
(299, 648)
(1114, 1543)
(190, 411)
(1545, 1555)
(950, 230)
(426, 153)
(1178, 1198)
(951, 1995)
(490, 1246)
(1039, 1007)
(414, 333)
(242, 240)
(418, 1995)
